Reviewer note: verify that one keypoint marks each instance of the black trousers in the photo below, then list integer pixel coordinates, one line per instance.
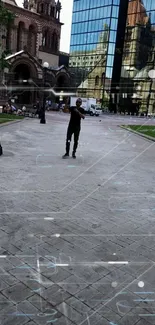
(72, 129)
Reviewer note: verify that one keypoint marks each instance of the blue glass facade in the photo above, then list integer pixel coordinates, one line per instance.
(93, 40)
(112, 49)
(88, 22)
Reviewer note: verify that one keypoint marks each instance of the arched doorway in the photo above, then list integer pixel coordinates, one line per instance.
(97, 80)
(22, 72)
(62, 82)
(22, 78)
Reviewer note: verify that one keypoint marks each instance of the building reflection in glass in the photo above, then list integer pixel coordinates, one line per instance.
(138, 58)
(93, 52)
(93, 38)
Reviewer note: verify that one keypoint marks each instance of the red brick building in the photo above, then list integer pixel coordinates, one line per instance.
(33, 39)
(137, 13)
(138, 38)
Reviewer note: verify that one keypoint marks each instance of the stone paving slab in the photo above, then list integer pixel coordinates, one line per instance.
(77, 237)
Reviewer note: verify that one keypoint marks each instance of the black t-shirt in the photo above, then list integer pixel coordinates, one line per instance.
(75, 118)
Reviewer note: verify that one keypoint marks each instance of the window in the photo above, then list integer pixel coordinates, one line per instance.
(31, 44)
(54, 43)
(52, 12)
(102, 78)
(41, 8)
(20, 36)
(97, 79)
(45, 41)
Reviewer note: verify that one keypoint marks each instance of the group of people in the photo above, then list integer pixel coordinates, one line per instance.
(8, 108)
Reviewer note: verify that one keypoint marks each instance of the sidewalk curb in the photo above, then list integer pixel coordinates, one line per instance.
(11, 122)
(138, 133)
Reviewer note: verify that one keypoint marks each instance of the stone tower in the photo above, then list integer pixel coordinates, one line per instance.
(137, 22)
(44, 7)
(103, 39)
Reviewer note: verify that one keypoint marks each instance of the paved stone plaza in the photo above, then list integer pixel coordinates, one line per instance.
(77, 237)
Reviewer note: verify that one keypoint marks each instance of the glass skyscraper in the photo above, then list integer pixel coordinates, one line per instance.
(112, 50)
(93, 40)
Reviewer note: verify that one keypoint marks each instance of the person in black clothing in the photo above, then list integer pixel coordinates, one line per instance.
(37, 107)
(74, 127)
(1, 150)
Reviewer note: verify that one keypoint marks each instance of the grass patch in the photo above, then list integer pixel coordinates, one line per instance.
(145, 129)
(4, 118)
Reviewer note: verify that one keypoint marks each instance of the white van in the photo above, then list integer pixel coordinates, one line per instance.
(95, 110)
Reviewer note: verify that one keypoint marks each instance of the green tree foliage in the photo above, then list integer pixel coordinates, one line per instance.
(3, 63)
(6, 16)
(6, 20)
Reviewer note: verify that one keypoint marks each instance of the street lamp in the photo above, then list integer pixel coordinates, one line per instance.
(61, 96)
(151, 74)
(139, 88)
(45, 67)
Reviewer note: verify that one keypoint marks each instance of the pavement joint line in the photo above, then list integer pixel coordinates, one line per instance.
(17, 255)
(111, 299)
(100, 235)
(99, 160)
(43, 212)
(147, 315)
(111, 177)
(35, 191)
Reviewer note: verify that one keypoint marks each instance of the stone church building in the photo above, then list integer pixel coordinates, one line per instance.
(34, 38)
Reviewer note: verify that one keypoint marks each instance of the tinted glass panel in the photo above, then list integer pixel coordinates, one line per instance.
(94, 28)
(139, 55)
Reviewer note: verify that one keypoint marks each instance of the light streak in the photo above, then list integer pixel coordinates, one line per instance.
(62, 264)
(121, 262)
(34, 88)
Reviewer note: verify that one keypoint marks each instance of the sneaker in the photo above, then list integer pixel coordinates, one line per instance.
(65, 156)
(73, 155)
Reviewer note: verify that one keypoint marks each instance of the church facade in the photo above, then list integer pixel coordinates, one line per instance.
(33, 38)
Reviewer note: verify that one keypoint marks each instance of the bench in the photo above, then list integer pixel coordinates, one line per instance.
(30, 112)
